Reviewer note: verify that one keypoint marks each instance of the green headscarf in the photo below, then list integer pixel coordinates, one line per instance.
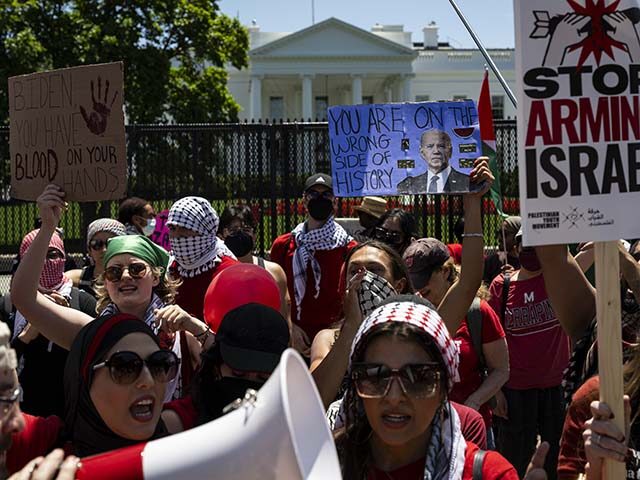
(138, 246)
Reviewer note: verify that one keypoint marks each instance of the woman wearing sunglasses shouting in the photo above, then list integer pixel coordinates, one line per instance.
(134, 283)
(398, 422)
(115, 381)
(99, 233)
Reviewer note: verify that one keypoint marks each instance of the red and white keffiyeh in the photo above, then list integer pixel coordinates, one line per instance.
(420, 316)
(52, 278)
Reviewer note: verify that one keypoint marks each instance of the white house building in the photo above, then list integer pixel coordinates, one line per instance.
(298, 75)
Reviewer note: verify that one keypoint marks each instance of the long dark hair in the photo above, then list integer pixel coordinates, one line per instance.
(398, 267)
(352, 440)
(204, 385)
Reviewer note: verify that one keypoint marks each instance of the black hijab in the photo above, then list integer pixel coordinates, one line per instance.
(83, 426)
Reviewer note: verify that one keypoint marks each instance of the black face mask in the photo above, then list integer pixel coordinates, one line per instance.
(240, 243)
(232, 388)
(320, 208)
(529, 259)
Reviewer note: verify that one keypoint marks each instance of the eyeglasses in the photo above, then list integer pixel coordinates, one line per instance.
(7, 403)
(97, 244)
(126, 367)
(387, 236)
(314, 194)
(136, 270)
(417, 381)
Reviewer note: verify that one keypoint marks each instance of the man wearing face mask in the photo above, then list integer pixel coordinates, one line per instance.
(238, 230)
(138, 216)
(530, 403)
(312, 256)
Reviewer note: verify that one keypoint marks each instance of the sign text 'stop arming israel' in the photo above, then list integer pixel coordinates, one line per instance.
(578, 72)
(403, 148)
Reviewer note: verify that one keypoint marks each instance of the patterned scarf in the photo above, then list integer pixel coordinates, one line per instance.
(104, 225)
(203, 252)
(174, 387)
(446, 450)
(373, 291)
(52, 278)
(329, 237)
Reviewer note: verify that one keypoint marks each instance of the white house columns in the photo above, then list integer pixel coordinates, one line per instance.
(356, 89)
(307, 97)
(256, 97)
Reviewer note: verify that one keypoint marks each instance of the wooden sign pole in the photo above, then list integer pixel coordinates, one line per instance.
(610, 341)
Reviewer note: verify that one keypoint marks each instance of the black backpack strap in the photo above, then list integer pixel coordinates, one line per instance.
(505, 295)
(75, 298)
(474, 324)
(261, 263)
(478, 461)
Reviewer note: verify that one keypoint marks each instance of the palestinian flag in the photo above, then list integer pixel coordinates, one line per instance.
(488, 137)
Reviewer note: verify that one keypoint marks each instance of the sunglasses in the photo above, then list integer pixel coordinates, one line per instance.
(126, 367)
(417, 381)
(387, 236)
(97, 244)
(136, 270)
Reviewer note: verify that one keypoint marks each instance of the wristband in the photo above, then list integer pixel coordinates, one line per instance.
(479, 235)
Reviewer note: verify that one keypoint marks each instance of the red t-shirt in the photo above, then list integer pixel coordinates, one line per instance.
(39, 437)
(316, 313)
(495, 467)
(572, 458)
(471, 424)
(469, 369)
(455, 250)
(192, 290)
(538, 347)
(185, 409)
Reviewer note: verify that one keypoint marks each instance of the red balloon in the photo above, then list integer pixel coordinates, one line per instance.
(238, 285)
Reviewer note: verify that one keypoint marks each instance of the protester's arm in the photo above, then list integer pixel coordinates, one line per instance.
(57, 323)
(630, 270)
(74, 275)
(572, 297)
(585, 257)
(321, 346)
(277, 272)
(496, 355)
(457, 300)
(328, 373)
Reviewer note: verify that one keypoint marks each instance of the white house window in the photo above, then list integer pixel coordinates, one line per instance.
(322, 103)
(497, 106)
(423, 98)
(367, 100)
(276, 107)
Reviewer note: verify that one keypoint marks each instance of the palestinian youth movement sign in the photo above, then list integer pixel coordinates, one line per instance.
(67, 128)
(578, 72)
(403, 148)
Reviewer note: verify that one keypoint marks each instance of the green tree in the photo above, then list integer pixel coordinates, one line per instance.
(175, 51)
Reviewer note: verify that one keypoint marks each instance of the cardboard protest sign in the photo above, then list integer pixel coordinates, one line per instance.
(67, 128)
(578, 72)
(403, 148)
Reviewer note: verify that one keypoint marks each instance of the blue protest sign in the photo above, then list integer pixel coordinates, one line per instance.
(410, 148)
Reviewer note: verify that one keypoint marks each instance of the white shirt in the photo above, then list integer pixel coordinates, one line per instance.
(442, 175)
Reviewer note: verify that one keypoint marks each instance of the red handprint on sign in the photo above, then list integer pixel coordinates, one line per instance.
(96, 120)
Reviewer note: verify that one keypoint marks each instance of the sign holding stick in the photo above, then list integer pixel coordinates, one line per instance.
(67, 128)
(403, 148)
(577, 67)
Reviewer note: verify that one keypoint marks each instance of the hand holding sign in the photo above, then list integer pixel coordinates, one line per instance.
(481, 175)
(97, 120)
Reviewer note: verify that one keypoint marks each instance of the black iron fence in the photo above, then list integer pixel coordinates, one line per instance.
(260, 164)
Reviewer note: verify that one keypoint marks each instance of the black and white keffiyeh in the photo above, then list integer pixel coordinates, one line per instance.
(375, 289)
(328, 237)
(202, 252)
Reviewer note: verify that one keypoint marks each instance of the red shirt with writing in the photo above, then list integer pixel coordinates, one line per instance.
(538, 347)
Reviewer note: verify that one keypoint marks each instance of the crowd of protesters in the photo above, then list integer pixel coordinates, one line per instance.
(433, 361)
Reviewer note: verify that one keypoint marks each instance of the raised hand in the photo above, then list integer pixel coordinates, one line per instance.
(96, 120)
(481, 174)
(51, 204)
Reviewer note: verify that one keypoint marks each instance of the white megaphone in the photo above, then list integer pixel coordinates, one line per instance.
(281, 433)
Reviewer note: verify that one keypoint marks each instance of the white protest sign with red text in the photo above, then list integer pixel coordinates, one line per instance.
(578, 72)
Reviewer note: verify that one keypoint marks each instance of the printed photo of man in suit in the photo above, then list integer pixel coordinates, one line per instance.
(435, 149)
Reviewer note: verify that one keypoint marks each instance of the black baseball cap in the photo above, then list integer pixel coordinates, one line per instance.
(422, 258)
(252, 338)
(319, 179)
